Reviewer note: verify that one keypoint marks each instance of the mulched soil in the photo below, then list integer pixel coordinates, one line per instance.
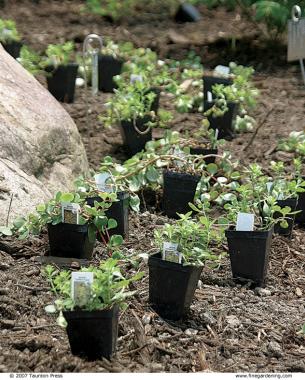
(231, 327)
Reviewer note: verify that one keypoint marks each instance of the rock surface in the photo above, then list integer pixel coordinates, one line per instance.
(41, 150)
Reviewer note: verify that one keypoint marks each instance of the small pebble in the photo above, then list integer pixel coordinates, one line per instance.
(262, 292)
(191, 332)
(275, 349)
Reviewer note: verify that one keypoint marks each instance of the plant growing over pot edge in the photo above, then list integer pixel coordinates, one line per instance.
(9, 37)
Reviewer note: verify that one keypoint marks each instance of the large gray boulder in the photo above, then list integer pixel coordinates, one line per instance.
(41, 150)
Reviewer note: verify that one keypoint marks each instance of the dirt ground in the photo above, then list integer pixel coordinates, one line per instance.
(231, 328)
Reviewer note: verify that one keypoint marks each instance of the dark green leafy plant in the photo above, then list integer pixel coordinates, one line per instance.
(30, 60)
(57, 55)
(109, 288)
(295, 142)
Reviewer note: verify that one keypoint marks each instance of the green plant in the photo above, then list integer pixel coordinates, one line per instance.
(8, 31)
(57, 55)
(30, 60)
(109, 288)
(241, 92)
(51, 212)
(295, 142)
(194, 239)
(115, 9)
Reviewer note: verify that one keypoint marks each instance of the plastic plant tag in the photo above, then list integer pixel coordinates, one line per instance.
(216, 133)
(178, 153)
(210, 96)
(70, 212)
(81, 283)
(136, 78)
(101, 180)
(269, 186)
(170, 252)
(222, 70)
(296, 35)
(245, 222)
(95, 72)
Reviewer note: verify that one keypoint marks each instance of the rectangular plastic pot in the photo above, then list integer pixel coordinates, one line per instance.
(13, 48)
(208, 83)
(187, 13)
(224, 123)
(300, 217)
(249, 254)
(171, 287)
(132, 140)
(205, 152)
(178, 190)
(61, 82)
(119, 211)
(70, 240)
(292, 203)
(108, 67)
(93, 334)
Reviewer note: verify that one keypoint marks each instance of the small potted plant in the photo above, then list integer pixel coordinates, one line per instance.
(131, 108)
(110, 63)
(180, 181)
(184, 248)
(61, 71)
(72, 224)
(88, 303)
(254, 212)
(93, 189)
(30, 60)
(10, 38)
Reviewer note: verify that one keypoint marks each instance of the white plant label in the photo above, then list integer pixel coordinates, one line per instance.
(81, 283)
(222, 70)
(136, 78)
(70, 212)
(170, 252)
(101, 182)
(269, 186)
(216, 133)
(210, 96)
(245, 222)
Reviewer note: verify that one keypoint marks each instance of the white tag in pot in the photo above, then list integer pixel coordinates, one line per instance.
(222, 70)
(269, 186)
(170, 252)
(210, 96)
(81, 283)
(245, 222)
(70, 212)
(136, 78)
(102, 182)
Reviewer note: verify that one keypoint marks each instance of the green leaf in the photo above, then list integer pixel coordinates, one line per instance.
(67, 197)
(134, 202)
(41, 208)
(212, 168)
(116, 240)
(112, 223)
(19, 222)
(6, 231)
(152, 174)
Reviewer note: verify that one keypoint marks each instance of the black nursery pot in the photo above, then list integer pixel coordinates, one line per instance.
(187, 13)
(224, 123)
(292, 203)
(171, 287)
(70, 240)
(300, 217)
(132, 140)
(108, 67)
(61, 82)
(205, 152)
(249, 254)
(93, 334)
(119, 211)
(178, 190)
(13, 48)
(208, 83)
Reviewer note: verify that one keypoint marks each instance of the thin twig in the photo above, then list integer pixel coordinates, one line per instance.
(9, 209)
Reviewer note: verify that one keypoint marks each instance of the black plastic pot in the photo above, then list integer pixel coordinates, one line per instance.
(178, 190)
(13, 48)
(61, 82)
(93, 334)
(119, 211)
(292, 203)
(108, 67)
(249, 254)
(187, 13)
(132, 140)
(205, 152)
(70, 240)
(224, 123)
(300, 217)
(171, 287)
(208, 83)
